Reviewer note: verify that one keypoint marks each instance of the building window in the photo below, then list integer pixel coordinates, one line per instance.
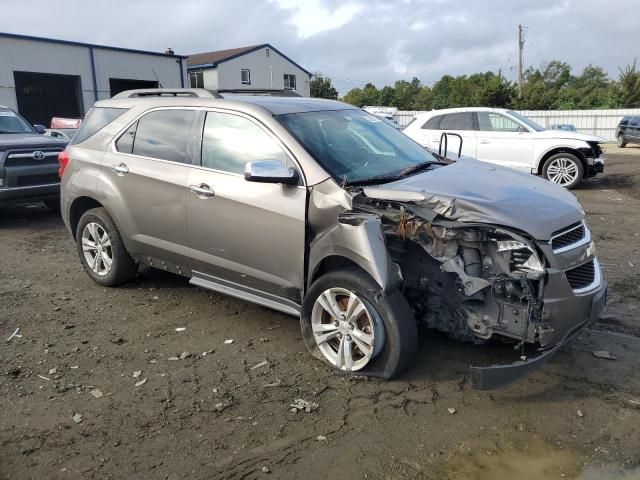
(267, 52)
(245, 76)
(196, 80)
(289, 81)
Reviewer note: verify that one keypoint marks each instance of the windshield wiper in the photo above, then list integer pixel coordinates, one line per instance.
(415, 168)
(386, 178)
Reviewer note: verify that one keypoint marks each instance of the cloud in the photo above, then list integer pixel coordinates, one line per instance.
(354, 41)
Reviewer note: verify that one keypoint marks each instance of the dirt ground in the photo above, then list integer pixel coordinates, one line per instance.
(201, 407)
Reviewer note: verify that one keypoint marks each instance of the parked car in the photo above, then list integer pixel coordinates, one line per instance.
(63, 128)
(567, 127)
(319, 210)
(28, 161)
(506, 138)
(628, 130)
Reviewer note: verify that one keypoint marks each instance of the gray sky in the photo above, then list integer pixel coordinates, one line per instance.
(353, 41)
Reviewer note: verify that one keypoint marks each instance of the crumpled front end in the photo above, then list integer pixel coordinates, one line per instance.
(476, 281)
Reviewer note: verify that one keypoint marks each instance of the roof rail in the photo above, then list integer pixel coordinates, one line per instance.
(261, 91)
(169, 92)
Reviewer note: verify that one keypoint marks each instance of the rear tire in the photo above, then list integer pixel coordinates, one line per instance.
(101, 250)
(621, 142)
(386, 325)
(564, 169)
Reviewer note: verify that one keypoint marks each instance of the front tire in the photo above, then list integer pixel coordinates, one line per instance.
(349, 323)
(621, 142)
(564, 169)
(101, 250)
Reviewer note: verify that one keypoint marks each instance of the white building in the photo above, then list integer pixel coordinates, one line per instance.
(258, 67)
(45, 77)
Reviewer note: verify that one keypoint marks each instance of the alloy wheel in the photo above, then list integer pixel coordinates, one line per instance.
(563, 171)
(96, 247)
(348, 332)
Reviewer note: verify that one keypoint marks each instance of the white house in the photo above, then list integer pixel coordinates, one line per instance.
(258, 67)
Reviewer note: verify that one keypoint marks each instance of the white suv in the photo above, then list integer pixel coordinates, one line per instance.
(505, 137)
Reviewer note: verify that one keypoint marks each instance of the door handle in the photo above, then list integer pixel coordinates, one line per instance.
(202, 191)
(121, 169)
(484, 141)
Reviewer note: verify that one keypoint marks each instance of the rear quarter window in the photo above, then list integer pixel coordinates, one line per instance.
(433, 123)
(97, 118)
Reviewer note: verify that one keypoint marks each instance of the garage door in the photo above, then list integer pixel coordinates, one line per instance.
(41, 96)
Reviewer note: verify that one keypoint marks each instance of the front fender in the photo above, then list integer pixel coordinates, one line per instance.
(358, 238)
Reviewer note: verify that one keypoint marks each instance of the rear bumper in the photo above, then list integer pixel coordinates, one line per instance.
(29, 193)
(569, 315)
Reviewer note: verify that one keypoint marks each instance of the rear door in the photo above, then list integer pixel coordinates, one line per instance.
(504, 141)
(460, 123)
(244, 235)
(148, 174)
(633, 130)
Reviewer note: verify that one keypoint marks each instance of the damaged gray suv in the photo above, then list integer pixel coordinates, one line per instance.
(323, 211)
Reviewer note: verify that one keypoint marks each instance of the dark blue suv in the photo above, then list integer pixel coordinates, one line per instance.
(628, 130)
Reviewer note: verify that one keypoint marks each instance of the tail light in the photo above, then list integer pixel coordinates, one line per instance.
(63, 160)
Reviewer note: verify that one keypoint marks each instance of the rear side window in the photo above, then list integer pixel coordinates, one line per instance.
(457, 121)
(163, 134)
(229, 142)
(433, 123)
(97, 118)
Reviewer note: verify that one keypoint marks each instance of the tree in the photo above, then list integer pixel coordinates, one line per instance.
(354, 97)
(321, 87)
(629, 86)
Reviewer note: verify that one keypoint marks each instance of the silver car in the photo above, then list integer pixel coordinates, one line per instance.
(323, 211)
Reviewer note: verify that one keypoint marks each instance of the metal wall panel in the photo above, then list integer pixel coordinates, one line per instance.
(36, 56)
(134, 66)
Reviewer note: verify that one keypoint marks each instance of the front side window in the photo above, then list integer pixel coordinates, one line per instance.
(245, 76)
(97, 118)
(163, 134)
(528, 122)
(354, 146)
(289, 81)
(494, 122)
(457, 121)
(11, 122)
(196, 79)
(229, 142)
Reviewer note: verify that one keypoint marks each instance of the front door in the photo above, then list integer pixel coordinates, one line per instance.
(244, 235)
(504, 141)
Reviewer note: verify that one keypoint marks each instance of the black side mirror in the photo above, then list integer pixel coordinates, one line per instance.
(271, 171)
(40, 128)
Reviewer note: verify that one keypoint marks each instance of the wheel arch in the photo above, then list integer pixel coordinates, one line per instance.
(553, 151)
(78, 208)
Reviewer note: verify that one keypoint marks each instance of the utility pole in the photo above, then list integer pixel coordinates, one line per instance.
(520, 50)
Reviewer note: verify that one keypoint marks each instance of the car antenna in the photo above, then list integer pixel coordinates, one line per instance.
(156, 75)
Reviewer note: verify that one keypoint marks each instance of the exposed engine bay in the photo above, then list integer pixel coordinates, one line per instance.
(469, 281)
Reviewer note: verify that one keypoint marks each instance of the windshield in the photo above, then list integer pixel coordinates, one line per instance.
(11, 122)
(526, 121)
(354, 146)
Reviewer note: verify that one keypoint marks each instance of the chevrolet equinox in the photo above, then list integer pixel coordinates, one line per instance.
(320, 210)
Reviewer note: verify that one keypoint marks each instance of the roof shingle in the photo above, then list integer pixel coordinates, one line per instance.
(218, 56)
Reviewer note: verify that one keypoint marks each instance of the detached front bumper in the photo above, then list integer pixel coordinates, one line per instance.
(567, 312)
(595, 165)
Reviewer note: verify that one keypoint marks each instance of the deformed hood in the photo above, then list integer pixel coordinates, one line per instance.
(566, 135)
(474, 191)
